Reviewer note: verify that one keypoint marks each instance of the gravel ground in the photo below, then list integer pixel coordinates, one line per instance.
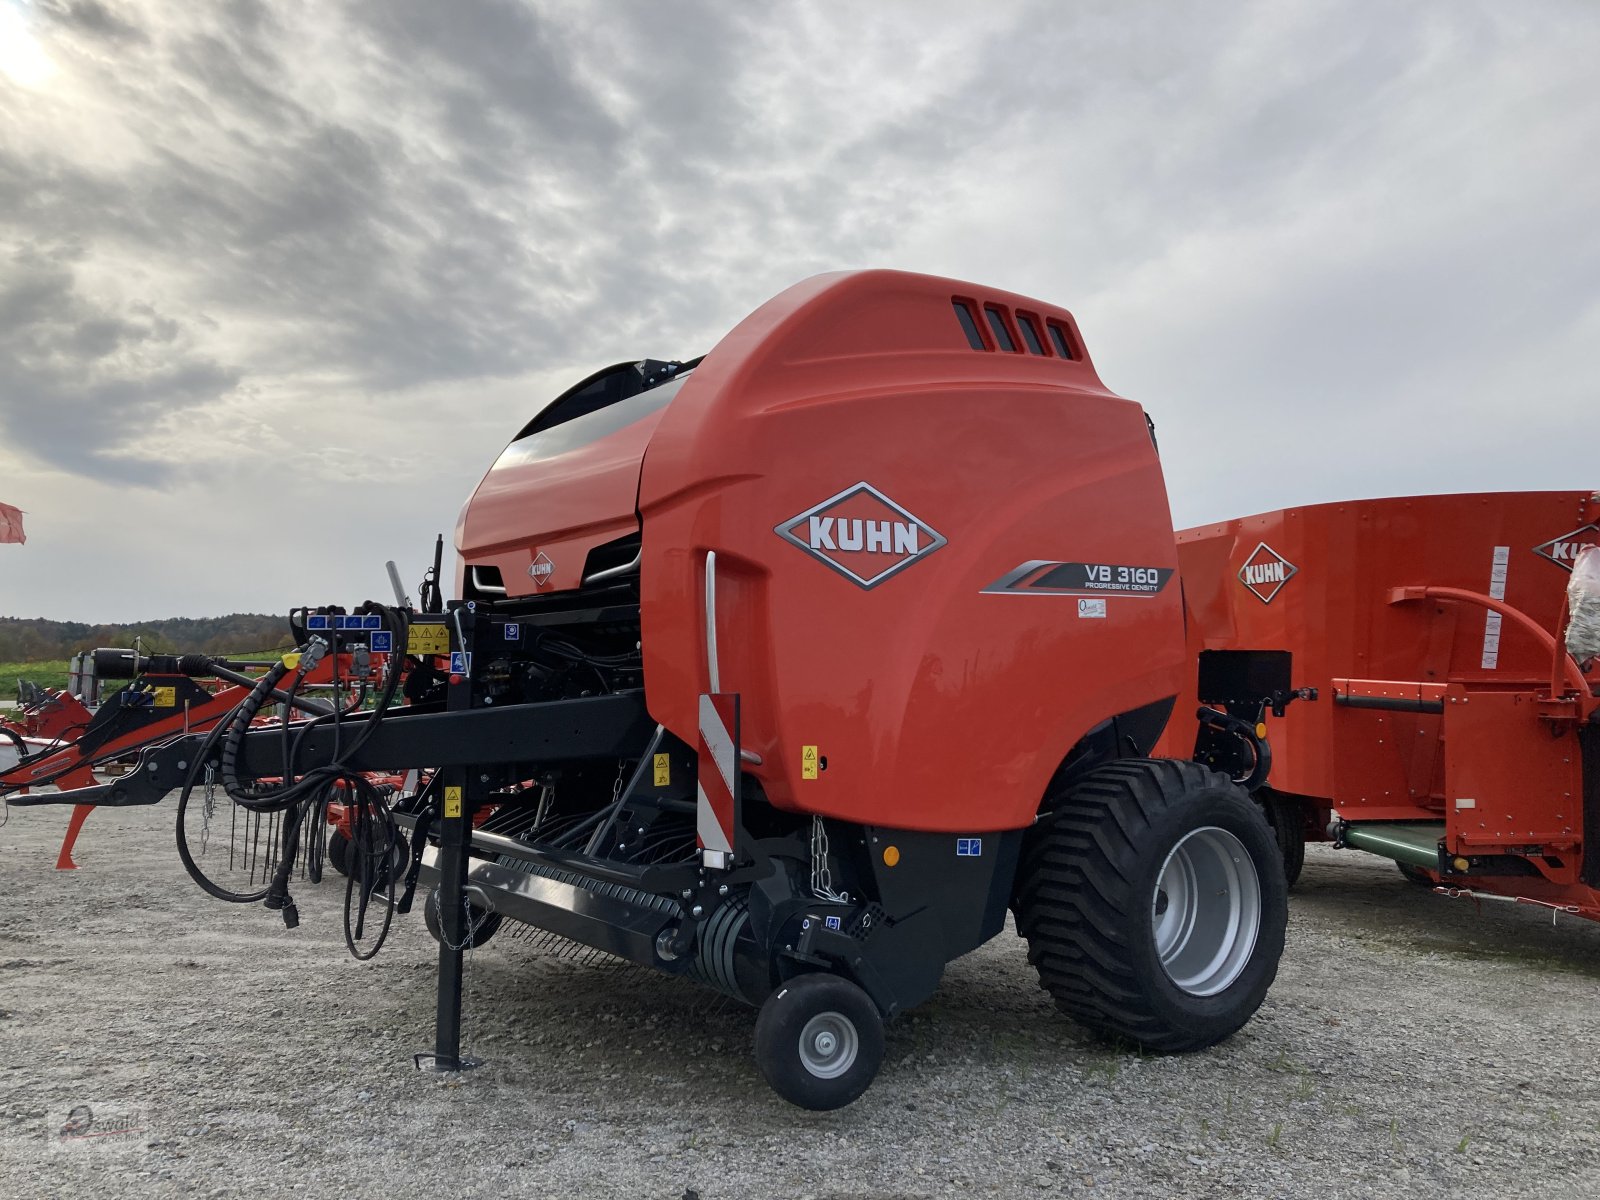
(1411, 1043)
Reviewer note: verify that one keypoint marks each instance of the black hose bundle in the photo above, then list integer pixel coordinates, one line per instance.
(376, 840)
(374, 861)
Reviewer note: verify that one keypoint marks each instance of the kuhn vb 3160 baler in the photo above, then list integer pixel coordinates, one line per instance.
(791, 669)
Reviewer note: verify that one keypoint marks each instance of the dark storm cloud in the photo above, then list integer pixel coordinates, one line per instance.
(71, 397)
(388, 270)
(94, 19)
(500, 185)
(506, 85)
(462, 220)
(398, 195)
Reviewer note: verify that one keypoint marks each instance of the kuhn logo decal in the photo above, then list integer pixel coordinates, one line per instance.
(1265, 572)
(540, 569)
(1563, 551)
(862, 534)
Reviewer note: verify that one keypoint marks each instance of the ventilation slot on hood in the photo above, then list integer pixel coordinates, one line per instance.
(613, 561)
(482, 582)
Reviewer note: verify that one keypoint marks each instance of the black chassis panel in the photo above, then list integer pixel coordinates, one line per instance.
(585, 915)
(616, 726)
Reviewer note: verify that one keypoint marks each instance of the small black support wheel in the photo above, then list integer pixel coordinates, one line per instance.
(1286, 815)
(484, 923)
(1416, 875)
(1154, 902)
(819, 1041)
(345, 857)
(338, 849)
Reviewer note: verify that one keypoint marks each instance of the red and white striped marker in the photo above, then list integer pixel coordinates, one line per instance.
(717, 806)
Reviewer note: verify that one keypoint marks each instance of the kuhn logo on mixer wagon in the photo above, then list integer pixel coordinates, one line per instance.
(1563, 551)
(862, 534)
(1265, 572)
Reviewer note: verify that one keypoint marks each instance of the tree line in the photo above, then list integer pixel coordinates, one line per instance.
(39, 640)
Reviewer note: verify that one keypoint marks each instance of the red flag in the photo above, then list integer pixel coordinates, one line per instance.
(11, 524)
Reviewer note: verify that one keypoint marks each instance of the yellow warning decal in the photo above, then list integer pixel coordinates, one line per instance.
(808, 762)
(663, 764)
(292, 661)
(428, 639)
(452, 802)
(165, 697)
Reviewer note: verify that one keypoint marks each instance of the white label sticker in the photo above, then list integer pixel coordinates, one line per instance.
(1497, 590)
(1091, 608)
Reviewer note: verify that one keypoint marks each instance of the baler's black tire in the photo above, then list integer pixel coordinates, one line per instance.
(484, 924)
(1106, 876)
(338, 848)
(1286, 815)
(819, 1041)
(1416, 875)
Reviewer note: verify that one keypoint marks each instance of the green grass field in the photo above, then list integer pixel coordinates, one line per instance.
(53, 674)
(45, 674)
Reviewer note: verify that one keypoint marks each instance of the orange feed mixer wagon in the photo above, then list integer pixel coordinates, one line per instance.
(1450, 729)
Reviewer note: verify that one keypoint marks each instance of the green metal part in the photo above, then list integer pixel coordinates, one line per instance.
(1407, 843)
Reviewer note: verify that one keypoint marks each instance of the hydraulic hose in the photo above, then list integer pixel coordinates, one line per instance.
(377, 833)
(207, 885)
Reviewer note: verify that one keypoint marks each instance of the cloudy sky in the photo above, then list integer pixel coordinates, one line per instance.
(277, 281)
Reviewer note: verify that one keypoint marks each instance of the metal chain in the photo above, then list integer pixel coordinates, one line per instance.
(468, 923)
(208, 807)
(466, 947)
(821, 874)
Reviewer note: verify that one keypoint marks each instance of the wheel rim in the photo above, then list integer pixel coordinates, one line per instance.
(1206, 911)
(829, 1045)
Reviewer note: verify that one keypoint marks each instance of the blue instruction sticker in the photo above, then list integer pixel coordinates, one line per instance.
(832, 922)
(513, 632)
(969, 847)
(382, 642)
(460, 663)
(349, 622)
(372, 622)
(317, 621)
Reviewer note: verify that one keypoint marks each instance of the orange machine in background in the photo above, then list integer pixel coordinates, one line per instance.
(1450, 731)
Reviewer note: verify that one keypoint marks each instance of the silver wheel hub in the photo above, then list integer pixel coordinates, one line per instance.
(829, 1045)
(1206, 911)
